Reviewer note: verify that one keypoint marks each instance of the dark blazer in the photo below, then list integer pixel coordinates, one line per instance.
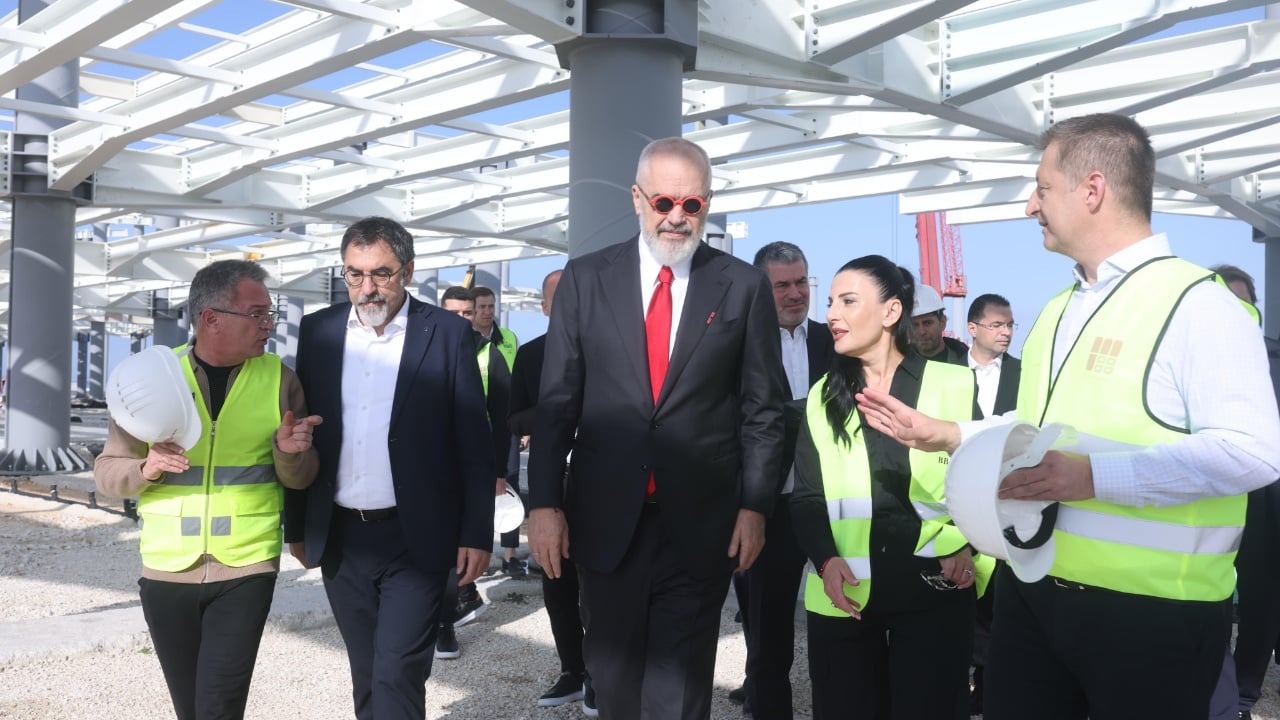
(440, 446)
(822, 351)
(714, 439)
(1007, 390)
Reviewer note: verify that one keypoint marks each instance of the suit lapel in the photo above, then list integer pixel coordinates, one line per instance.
(820, 350)
(707, 286)
(620, 290)
(417, 339)
(333, 335)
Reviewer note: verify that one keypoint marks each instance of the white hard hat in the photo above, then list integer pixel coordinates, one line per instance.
(927, 300)
(1019, 531)
(148, 396)
(508, 511)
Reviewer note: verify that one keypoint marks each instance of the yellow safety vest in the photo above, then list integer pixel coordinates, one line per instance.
(227, 503)
(1180, 552)
(946, 392)
(507, 345)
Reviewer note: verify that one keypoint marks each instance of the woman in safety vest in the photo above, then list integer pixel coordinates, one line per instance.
(867, 508)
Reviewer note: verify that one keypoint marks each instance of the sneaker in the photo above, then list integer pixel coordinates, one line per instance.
(567, 689)
(514, 568)
(589, 698)
(447, 647)
(467, 593)
(468, 611)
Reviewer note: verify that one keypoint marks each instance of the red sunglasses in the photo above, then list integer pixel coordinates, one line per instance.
(691, 205)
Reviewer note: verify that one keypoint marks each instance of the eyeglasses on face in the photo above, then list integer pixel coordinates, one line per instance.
(381, 278)
(691, 205)
(264, 318)
(998, 326)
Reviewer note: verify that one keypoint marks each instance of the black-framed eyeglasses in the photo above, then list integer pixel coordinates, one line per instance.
(691, 205)
(262, 317)
(381, 278)
(998, 326)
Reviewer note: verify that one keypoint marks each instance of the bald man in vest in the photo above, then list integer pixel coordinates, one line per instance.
(1150, 358)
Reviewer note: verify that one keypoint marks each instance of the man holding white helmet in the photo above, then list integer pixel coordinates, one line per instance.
(210, 502)
(1147, 356)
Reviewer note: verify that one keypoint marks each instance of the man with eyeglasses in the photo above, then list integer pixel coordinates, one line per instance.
(663, 374)
(991, 325)
(405, 489)
(210, 513)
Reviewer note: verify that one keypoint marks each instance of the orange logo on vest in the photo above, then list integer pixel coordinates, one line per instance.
(1103, 354)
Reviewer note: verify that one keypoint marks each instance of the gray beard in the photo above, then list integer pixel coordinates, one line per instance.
(668, 253)
(376, 317)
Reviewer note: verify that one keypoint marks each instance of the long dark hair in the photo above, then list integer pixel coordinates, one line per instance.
(847, 378)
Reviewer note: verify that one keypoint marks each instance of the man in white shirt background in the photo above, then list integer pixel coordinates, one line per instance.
(991, 325)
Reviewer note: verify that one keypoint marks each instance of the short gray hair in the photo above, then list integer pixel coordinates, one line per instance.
(782, 253)
(215, 284)
(677, 147)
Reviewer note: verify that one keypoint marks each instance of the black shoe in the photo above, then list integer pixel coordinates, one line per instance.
(514, 568)
(589, 698)
(738, 696)
(447, 647)
(1246, 715)
(567, 689)
(468, 611)
(467, 593)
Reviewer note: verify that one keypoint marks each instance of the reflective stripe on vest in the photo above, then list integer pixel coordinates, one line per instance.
(227, 503)
(1179, 552)
(946, 391)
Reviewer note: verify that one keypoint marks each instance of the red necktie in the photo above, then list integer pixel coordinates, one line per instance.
(657, 333)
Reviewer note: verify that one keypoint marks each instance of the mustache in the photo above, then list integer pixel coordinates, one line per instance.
(683, 227)
(371, 298)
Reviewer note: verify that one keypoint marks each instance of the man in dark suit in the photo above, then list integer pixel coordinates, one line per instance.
(997, 372)
(664, 377)
(991, 325)
(405, 489)
(767, 592)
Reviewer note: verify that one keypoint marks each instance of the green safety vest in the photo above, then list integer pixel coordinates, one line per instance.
(227, 503)
(1179, 552)
(507, 346)
(946, 392)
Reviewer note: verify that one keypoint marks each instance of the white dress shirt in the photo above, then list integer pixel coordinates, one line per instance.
(795, 361)
(1210, 375)
(370, 364)
(988, 377)
(649, 269)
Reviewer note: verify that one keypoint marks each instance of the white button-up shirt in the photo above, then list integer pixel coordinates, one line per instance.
(649, 269)
(988, 377)
(370, 365)
(795, 361)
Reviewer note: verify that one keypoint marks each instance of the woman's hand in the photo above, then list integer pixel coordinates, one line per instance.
(835, 574)
(959, 568)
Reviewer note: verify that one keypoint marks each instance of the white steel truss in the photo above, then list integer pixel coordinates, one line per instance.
(260, 128)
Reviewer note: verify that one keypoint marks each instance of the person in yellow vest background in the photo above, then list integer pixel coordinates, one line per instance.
(211, 535)
(890, 594)
(1151, 359)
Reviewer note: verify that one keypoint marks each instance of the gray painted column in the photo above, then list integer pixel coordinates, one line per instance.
(97, 360)
(136, 342)
(503, 313)
(171, 326)
(286, 336)
(716, 235)
(1271, 286)
(38, 424)
(428, 286)
(82, 363)
(610, 120)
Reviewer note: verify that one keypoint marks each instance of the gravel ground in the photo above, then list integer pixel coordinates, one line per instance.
(63, 561)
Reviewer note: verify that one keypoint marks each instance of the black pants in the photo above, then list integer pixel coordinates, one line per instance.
(560, 595)
(387, 610)
(767, 597)
(206, 638)
(1067, 654)
(1258, 582)
(651, 630)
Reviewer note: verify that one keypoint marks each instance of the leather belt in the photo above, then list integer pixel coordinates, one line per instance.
(368, 515)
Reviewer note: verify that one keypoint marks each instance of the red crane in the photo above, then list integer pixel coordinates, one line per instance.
(937, 240)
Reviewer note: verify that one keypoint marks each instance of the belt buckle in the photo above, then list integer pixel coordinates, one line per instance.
(360, 512)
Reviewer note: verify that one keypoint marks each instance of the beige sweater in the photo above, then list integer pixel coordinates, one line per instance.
(118, 473)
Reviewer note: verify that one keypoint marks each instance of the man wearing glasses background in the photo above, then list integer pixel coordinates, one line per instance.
(211, 513)
(663, 374)
(991, 325)
(405, 488)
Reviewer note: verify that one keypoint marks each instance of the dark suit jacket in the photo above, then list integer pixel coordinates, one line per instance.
(1007, 390)
(440, 446)
(526, 377)
(714, 439)
(822, 351)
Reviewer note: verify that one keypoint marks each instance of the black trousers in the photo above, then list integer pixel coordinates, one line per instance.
(906, 659)
(560, 595)
(1066, 654)
(206, 638)
(651, 630)
(767, 597)
(387, 610)
(1258, 583)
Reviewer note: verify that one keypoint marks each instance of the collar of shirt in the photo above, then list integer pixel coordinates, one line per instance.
(649, 267)
(800, 333)
(993, 365)
(1122, 262)
(394, 326)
